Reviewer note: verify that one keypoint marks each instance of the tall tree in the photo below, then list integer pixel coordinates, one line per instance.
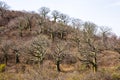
(87, 45)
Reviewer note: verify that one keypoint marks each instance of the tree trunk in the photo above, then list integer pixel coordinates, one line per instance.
(17, 58)
(55, 19)
(58, 66)
(61, 35)
(5, 58)
(94, 65)
(29, 25)
(52, 36)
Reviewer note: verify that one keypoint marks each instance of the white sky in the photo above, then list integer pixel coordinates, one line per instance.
(101, 12)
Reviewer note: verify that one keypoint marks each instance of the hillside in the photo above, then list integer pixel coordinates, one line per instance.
(35, 47)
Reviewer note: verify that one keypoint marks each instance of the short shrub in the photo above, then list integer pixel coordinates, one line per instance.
(2, 67)
(116, 76)
(118, 68)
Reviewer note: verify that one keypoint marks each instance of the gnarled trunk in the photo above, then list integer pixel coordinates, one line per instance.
(58, 66)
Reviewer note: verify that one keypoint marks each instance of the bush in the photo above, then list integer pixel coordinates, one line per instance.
(116, 76)
(2, 67)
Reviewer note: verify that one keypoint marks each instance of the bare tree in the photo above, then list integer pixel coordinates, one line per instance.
(64, 18)
(52, 30)
(29, 18)
(5, 48)
(22, 25)
(87, 45)
(17, 60)
(89, 29)
(89, 53)
(55, 15)
(38, 49)
(77, 36)
(105, 32)
(59, 51)
(44, 11)
(62, 31)
(3, 8)
(57, 31)
(76, 23)
(16, 50)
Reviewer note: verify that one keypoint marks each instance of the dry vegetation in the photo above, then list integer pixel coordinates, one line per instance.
(35, 46)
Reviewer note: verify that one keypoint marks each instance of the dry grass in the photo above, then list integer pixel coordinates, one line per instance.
(109, 59)
(48, 72)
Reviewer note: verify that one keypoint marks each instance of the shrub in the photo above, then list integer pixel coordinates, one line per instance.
(2, 67)
(116, 76)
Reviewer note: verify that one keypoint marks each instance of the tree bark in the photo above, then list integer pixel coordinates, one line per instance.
(52, 36)
(94, 65)
(58, 66)
(61, 35)
(6, 59)
(17, 58)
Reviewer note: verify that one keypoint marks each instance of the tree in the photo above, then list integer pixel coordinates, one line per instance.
(57, 31)
(105, 32)
(38, 49)
(51, 30)
(22, 25)
(59, 51)
(89, 53)
(16, 51)
(64, 18)
(55, 15)
(44, 11)
(3, 8)
(5, 48)
(62, 31)
(76, 23)
(77, 36)
(89, 29)
(29, 18)
(87, 45)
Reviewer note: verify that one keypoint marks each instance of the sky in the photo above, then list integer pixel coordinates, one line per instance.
(100, 12)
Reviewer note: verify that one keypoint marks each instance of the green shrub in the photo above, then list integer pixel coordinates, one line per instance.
(2, 67)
